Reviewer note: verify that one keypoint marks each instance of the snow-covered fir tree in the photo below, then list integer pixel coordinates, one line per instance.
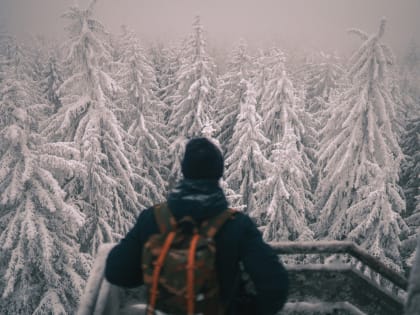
(286, 193)
(166, 63)
(53, 78)
(36, 49)
(281, 107)
(231, 92)
(196, 86)
(246, 164)
(410, 181)
(284, 200)
(262, 71)
(321, 81)
(19, 87)
(358, 195)
(145, 112)
(108, 197)
(194, 95)
(42, 270)
(401, 107)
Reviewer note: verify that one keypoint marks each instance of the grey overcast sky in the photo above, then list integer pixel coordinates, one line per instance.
(307, 24)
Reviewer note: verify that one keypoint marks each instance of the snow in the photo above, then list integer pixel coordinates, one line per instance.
(92, 131)
(321, 307)
(358, 196)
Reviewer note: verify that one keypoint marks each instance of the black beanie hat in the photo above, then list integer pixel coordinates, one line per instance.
(202, 160)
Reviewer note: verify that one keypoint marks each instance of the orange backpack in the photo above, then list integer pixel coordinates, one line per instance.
(179, 265)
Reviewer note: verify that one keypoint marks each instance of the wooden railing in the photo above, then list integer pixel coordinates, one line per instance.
(398, 281)
(314, 281)
(343, 272)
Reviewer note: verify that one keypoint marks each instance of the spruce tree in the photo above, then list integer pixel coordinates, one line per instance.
(358, 195)
(246, 164)
(145, 118)
(262, 71)
(284, 198)
(53, 78)
(86, 119)
(231, 92)
(166, 63)
(196, 86)
(410, 182)
(194, 96)
(322, 79)
(286, 193)
(42, 270)
(279, 107)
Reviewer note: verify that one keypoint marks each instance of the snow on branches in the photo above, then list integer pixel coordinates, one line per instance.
(358, 195)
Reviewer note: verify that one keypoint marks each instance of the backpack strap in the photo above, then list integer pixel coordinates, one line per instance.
(210, 227)
(156, 273)
(164, 218)
(191, 275)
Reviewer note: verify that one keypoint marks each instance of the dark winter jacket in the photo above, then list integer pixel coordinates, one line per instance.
(237, 240)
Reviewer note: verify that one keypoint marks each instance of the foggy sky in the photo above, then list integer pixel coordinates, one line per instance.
(307, 24)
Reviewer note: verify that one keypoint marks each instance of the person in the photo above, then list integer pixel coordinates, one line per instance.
(239, 244)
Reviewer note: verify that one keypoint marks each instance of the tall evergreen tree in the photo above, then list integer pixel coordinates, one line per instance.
(410, 181)
(407, 92)
(18, 86)
(42, 270)
(196, 86)
(53, 78)
(282, 107)
(262, 71)
(108, 197)
(279, 106)
(145, 116)
(231, 92)
(321, 81)
(194, 96)
(166, 63)
(246, 164)
(284, 198)
(359, 198)
(286, 193)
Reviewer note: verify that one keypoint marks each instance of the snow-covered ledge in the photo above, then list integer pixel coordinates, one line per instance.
(342, 247)
(97, 289)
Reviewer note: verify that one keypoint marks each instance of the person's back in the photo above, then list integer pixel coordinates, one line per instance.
(199, 196)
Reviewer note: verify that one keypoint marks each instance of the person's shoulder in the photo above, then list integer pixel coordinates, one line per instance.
(145, 225)
(241, 217)
(240, 220)
(146, 214)
(146, 217)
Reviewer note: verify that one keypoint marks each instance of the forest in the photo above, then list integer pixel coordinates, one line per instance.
(92, 130)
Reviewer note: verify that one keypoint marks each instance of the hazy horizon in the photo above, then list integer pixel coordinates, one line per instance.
(308, 25)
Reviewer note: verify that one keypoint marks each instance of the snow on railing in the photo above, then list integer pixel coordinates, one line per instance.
(97, 291)
(103, 299)
(345, 252)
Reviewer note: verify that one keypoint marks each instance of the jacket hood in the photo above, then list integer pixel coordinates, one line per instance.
(198, 198)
